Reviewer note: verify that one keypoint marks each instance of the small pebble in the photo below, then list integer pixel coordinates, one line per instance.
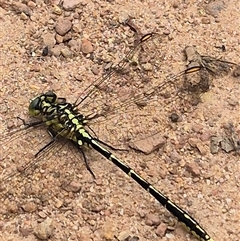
(202, 148)
(74, 45)
(32, 4)
(56, 50)
(45, 51)
(63, 26)
(174, 117)
(66, 52)
(19, 7)
(197, 128)
(70, 5)
(23, 16)
(72, 186)
(56, 10)
(67, 36)
(86, 47)
(193, 142)
(42, 214)
(213, 8)
(193, 168)
(29, 207)
(170, 236)
(59, 38)
(175, 157)
(161, 229)
(152, 219)
(108, 233)
(205, 136)
(149, 144)
(49, 39)
(44, 229)
(58, 203)
(123, 235)
(95, 69)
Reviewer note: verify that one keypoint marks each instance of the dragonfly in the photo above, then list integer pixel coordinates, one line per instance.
(66, 121)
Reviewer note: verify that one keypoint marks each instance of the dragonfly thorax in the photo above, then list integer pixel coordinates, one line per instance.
(37, 104)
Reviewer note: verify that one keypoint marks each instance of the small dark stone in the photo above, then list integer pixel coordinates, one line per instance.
(223, 47)
(174, 117)
(45, 51)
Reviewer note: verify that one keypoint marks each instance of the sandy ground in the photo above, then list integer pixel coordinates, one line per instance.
(60, 200)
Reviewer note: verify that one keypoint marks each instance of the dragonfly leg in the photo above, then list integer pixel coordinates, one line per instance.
(85, 161)
(31, 124)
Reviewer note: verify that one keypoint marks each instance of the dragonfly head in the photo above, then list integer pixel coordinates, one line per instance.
(38, 103)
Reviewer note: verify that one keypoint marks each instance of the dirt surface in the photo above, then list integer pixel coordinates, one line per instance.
(193, 159)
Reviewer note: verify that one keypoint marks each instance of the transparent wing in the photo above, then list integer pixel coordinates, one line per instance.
(143, 86)
(94, 95)
(136, 94)
(25, 173)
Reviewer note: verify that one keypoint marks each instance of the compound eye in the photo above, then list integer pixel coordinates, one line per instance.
(34, 107)
(50, 97)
